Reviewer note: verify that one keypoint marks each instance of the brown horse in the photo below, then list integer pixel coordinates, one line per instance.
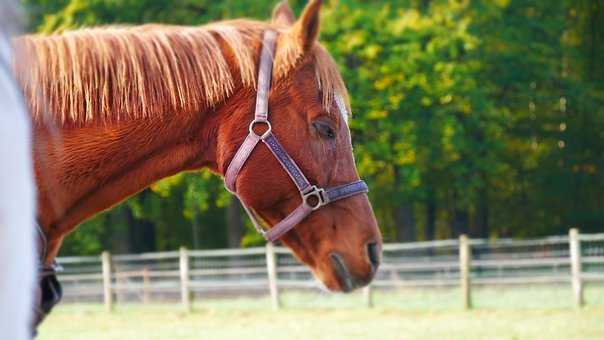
(118, 108)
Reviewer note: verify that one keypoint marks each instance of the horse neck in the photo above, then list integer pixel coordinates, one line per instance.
(81, 171)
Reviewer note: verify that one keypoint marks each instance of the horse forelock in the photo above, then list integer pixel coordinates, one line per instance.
(119, 73)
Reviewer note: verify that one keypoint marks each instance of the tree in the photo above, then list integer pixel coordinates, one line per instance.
(480, 117)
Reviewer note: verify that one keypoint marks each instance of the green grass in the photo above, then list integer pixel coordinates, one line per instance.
(528, 313)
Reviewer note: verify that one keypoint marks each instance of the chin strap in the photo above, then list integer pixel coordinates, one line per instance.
(313, 197)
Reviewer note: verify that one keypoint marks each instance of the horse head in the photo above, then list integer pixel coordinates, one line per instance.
(307, 113)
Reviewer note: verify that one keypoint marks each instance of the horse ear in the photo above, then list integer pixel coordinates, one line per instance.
(306, 29)
(283, 14)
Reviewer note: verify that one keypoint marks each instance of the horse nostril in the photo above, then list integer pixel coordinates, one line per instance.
(373, 254)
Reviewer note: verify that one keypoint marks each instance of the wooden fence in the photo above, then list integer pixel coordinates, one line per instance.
(573, 259)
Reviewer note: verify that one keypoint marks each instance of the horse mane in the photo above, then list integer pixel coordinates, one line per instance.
(115, 73)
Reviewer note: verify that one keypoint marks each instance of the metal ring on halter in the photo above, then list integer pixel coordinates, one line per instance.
(269, 128)
(319, 193)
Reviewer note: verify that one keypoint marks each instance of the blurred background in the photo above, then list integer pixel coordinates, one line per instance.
(469, 117)
(482, 118)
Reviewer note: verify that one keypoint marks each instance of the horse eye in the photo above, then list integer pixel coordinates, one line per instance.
(324, 130)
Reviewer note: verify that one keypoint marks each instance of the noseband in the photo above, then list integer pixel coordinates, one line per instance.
(313, 197)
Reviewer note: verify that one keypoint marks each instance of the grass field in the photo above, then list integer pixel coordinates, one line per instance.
(529, 313)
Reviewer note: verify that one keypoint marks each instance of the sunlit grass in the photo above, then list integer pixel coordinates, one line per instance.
(527, 313)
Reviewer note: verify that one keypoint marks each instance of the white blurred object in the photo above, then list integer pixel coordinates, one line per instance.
(17, 259)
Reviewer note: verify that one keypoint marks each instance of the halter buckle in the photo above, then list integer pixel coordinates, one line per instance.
(266, 133)
(318, 193)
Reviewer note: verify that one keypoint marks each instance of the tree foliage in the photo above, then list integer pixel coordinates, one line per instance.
(481, 117)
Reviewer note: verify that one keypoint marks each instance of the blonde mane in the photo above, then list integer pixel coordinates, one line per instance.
(117, 73)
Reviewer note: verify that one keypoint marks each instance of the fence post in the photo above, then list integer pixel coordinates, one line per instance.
(185, 293)
(368, 296)
(464, 271)
(106, 270)
(575, 266)
(271, 268)
(146, 284)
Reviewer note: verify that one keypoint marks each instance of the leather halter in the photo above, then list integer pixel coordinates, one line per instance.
(313, 197)
(49, 291)
(43, 268)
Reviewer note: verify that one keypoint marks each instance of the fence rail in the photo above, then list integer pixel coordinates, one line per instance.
(185, 274)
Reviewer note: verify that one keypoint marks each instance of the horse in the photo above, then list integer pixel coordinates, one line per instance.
(115, 109)
(16, 194)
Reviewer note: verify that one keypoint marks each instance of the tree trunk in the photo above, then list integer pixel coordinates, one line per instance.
(404, 218)
(460, 222)
(141, 235)
(430, 229)
(121, 230)
(405, 223)
(482, 215)
(234, 223)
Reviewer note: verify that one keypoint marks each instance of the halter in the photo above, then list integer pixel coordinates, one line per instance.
(313, 197)
(50, 291)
